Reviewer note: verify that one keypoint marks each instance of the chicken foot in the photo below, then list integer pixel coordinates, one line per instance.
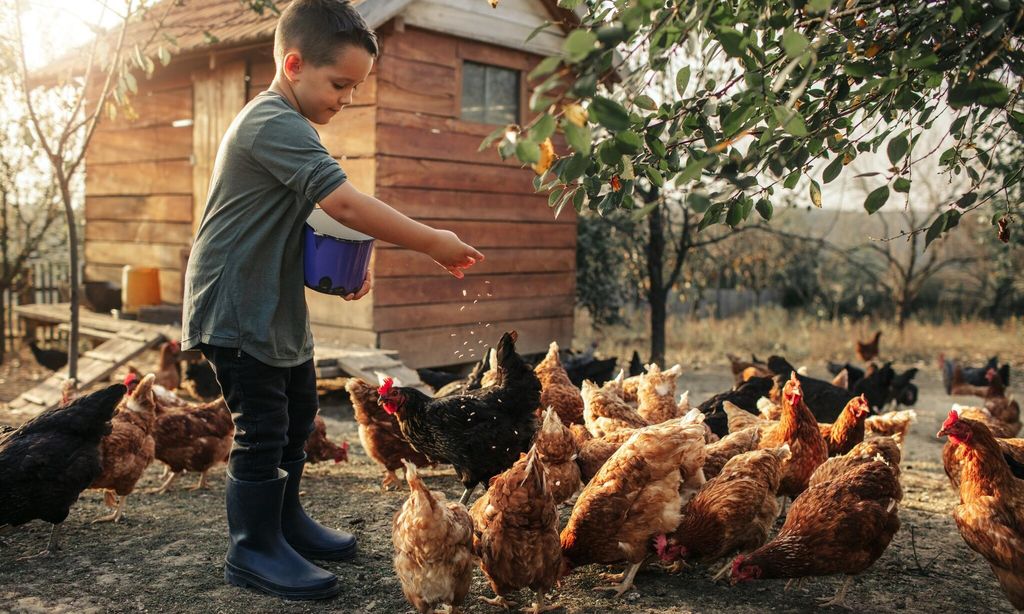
(497, 601)
(52, 545)
(839, 600)
(202, 485)
(794, 583)
(390, 478)
(117, 514)
(466, 495)
(626, 584)
(538, 607)
(723, 570)
(172, 475)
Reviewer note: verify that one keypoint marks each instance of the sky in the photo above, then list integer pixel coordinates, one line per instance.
(54, 27)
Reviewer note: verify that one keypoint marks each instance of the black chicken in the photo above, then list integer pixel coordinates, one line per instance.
(473, 381)
(745, 396)
(51, 359)
(975, 376)
(50, 460)
(481, 432)
(853, 374)
(200, 380)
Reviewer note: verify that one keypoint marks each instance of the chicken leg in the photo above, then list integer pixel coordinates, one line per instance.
(538, 606)
(723, 571)
(626, 584)
(839, 600)
(390, 478)
(202, 485)
(497, 601)
(52, 545)
(117, 513)
(172, 475)
(466, 495)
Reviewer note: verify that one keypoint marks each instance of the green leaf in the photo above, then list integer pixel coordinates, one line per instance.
(833, 169)
(819, 6)
(693, 170)
(645, 102)
(734, 215)
(732, 41)
(538, 30)
(578, 137)
(629, 142)
(575, 167)
(579, 44)
(791, 180)
(493, 136)
(656, 177)
(897, 148)
(794, 43)
(966, 200)
(986, 92)
(815, 194)
(609, 113)
(542, 129)
(130, 82)
(790, 120)
(935, 230)
(545, 68)
(698, 202)
(164, 55)
(640, 214)
(876, 199)
(682, 79)
(712, 216)
(569, 4)
(527, 150)
(902, 185)
(765, 209)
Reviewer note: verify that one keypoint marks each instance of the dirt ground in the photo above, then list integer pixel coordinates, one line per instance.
(166, 556)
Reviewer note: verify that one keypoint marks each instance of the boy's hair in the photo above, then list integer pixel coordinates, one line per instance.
(318, 28)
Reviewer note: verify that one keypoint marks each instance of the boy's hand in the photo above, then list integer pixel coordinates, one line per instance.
(452, 254)
(367, 285)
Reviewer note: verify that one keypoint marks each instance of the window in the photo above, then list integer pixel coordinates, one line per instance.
(490, 94)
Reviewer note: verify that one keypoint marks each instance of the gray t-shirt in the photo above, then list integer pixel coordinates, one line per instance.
(244, 286)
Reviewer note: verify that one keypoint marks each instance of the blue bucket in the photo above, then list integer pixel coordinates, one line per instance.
(335, 257)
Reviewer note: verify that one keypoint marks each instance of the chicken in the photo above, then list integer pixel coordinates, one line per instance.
(848, 430)
(47, 462)
(1002, 408)
(733, 444)
(490, 377)
(826, 401)
(604, 412)
(54, 360)
(868, 350)
(768, 410)
(433, 542)
(481, 433)
(656, 395)
(990, 515)
(894, 424)
(841, 380)
(379, 432)
(557, 390)
(192, 437)
(200, 381)
(864, 452)
(971, 375)
(557, 451)
(626, 388)
(797, 428)
(739, 418)
(980, 414)
(634, 497)
(319, 448)
(1013, 454)
(742, 370)
(745, 396)
(853, 374)
(128, 449)
(732, 513)
(470, 382)
(593, 452)
(516, 532)
(839, 526)
(168, 370)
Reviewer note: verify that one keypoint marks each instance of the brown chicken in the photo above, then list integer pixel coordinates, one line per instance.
(734, 512)
(959, 386)
(742, 370)
(1002, 408)
(634, 497)
(604, 412)
(593, 452)
(379, 432)
(557, 451)
(193, 437)
(128, 449)
(868, 350)
(656, 395)
(320, 448)
(733, 444)
(741, 419)
(557, 390)
(990, 515)
(168, 370)
(839, 526)
(848, 430)
(433, 542)
(626, 388)
(894, 424)
(842, 380)
(980, 414)
(516, 533)
(861, 453)
(953, 458)
(798, 428)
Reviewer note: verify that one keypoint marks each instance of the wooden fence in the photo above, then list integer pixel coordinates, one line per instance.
(43, 282)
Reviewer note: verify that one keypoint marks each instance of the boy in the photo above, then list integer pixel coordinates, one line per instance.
(244, 301)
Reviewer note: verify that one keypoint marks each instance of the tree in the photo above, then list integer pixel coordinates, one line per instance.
(806, 82)
(106, 82)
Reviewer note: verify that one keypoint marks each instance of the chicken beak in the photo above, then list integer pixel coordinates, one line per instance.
(942, 433)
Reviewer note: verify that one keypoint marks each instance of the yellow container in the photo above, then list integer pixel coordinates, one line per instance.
(140, 286)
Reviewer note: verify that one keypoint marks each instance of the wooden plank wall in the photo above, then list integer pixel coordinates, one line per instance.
(428, 166)
(138, 186)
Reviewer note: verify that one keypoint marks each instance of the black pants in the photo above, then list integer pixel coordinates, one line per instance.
(273, 409)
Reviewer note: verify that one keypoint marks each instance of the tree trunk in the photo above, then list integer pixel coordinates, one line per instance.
(69, 214)
(658, 294)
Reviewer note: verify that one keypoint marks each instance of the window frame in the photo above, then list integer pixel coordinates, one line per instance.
(507, 59)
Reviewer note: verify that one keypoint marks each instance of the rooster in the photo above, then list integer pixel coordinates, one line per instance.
(841, 525)
(433, 542)
(47, 462)
(990, 515)
(516, 532)
(480, 433)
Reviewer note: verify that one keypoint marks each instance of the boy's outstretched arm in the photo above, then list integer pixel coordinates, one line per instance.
(370, 216)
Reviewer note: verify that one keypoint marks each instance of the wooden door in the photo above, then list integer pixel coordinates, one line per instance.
(218, 94)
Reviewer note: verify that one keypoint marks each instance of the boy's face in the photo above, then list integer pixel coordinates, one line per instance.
(323, 91)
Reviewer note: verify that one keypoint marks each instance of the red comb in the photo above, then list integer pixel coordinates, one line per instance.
(951, 420)
(386, 386)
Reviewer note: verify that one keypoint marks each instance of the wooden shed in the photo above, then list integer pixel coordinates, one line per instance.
(449, 71)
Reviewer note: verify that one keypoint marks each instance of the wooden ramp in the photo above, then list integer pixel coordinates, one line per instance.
(365, 363)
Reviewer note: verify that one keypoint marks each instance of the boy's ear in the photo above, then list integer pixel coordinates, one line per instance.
(292, 64)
